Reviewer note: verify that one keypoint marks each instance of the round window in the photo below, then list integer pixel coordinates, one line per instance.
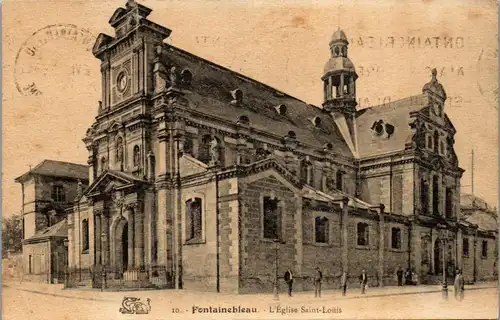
(122, 81)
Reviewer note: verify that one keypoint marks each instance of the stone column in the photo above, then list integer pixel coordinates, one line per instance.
(341, 85)
(139, 236)
(345, 239)
(97, 237)
(105, 229)
(381, 245)
(130, 234)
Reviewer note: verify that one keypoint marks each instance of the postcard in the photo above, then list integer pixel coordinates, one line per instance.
(167, 159)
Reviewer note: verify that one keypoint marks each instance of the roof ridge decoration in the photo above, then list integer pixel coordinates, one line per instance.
(434, 88)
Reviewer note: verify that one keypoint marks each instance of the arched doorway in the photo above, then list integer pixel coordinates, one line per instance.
(438, 268)
(121, 246)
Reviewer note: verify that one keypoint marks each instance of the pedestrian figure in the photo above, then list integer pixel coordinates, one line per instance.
(399, 273)
(289, 280)
(317, 282)
(459, 286)
(363, 280)
(343, 283)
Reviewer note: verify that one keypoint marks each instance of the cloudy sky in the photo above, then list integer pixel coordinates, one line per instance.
(51, 97)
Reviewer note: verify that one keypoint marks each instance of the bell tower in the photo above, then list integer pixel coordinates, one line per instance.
(339, 83)
(339, 77)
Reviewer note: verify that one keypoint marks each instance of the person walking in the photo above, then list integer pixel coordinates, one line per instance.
(363, 280)
(289, 280)
(399, 274)
(318, 277)
(459, 286)
(343, 283)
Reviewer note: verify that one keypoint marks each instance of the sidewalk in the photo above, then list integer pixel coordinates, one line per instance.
(112, 296)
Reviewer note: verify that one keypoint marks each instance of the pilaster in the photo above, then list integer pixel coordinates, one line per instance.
(381, 246)
(130, 234)
(345, 235)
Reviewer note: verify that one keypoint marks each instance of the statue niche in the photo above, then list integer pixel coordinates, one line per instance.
(119, 153)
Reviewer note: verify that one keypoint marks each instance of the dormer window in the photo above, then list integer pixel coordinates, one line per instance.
(243, 120)
(186, 77)
(316, 121)
(291, 135)
(328, 146)
(237, 95)
(281, 109)
(436, 141)
(378, 127)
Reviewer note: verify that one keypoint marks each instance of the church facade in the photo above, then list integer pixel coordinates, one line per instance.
(202, 178)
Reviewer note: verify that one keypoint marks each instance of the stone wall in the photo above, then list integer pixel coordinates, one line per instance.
(257, 254)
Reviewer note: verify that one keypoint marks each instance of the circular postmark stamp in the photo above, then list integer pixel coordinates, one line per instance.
(487, 64)
(54, 59)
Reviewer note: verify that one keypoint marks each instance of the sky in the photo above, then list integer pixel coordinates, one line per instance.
(50, 96)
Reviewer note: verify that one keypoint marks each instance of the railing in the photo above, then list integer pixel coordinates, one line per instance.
(149, 276)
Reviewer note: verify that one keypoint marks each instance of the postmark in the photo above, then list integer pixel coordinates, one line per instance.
(55, 58)
(487, 61)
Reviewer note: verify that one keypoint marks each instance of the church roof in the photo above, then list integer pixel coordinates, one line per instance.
(212, 96)
(339, 63)
(397, 114)
(61, 169)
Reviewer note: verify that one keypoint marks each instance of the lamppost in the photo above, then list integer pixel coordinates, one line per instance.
(276, 249)
(103, 243)
(66, 242)
(445, 284)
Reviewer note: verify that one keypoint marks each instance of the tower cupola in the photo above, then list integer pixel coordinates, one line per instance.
(339, 77)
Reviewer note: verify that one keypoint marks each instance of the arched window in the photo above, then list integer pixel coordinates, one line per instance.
(137, 156)
(85, 235)
(339, 180)
(396, 238)
(465, 247)
(435, 195)
(429, 142)
(194, 223)
(436, 141)
(272, 220)
(363, 234)
(321, 228)
(424, 196)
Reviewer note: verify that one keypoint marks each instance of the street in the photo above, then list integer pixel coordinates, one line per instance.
(22, 303)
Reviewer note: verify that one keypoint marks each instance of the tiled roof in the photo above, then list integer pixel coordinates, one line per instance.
(396, 113)
(59, 229)
(58, 169)
(212, 96)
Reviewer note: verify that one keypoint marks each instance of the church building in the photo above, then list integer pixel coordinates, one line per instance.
(204, 179)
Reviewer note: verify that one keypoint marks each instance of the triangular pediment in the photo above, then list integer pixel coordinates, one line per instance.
(270, 167)
(112, 180)
(101, 41)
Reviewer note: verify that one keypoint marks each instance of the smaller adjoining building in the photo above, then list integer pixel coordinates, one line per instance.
(479, 223)
(47, 190)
